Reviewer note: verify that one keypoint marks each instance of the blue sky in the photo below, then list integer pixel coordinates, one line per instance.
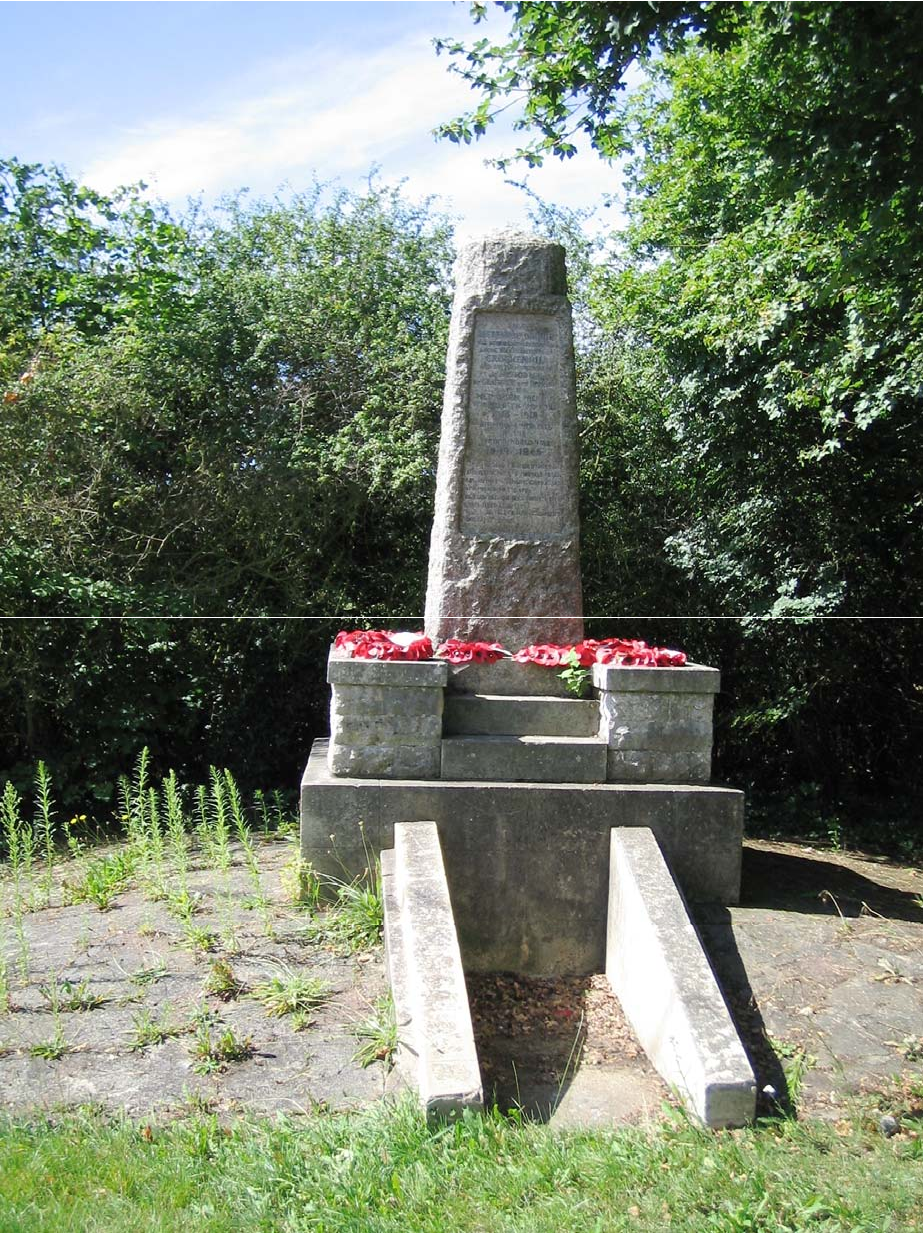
(209, 97)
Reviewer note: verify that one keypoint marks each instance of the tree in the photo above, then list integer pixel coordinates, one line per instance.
(565, 65)
(221, 416)
(773, 271)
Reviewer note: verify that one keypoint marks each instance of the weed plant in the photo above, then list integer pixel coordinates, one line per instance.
(178, 842)
(19, 840)
(148, 976)
(149, 1029)
(200, 940)
(219, 843)
(203, 830)
(101, 879)
(216, 1044)
(45, 827)
(290, 992)
(245, 839)
(70, 995)
(275, 818)
(53, 1048)
(222, 983)
(378, 1035)
(300, 882)
(354, 921)
(158, 876)
(218, 822)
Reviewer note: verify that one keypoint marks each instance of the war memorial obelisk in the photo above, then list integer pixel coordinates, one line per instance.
(504, 560)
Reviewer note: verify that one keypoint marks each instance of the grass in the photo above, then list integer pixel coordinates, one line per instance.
(199, 940)
(796, 1062)
(53, 1048)
(147, 1029)
(221, 982)
(216, 1044)
(148, 976)
(101, 879)
(70, 995)
(355, 919)
(291, 993)
(383, 1171)
(377, 1035)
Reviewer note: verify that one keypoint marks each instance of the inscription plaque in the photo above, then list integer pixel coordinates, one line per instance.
(512, 483)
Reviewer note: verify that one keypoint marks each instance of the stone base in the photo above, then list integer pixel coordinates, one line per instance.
(527, 864)
(507, 677)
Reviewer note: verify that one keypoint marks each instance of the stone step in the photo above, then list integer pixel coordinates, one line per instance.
(524, 759)
(507, 715)
(507, 677)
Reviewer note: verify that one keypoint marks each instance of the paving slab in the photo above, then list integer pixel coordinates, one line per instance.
(820, 965)
(661, 975)
(137, 960)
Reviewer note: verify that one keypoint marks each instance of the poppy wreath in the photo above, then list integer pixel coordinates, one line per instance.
(458, 652)
(624, 652)
(378, 644)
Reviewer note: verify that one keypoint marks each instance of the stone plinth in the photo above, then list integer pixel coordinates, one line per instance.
(507, 677)
(504, 554)
(385, 718)
(657, 722)
(527, 864)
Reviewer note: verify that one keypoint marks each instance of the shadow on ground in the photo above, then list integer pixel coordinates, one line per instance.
(822, 968)
(795, 882)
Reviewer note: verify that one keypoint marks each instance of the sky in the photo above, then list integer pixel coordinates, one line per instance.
(200, 99)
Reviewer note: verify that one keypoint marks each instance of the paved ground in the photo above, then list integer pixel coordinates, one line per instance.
(823, 961)
(822, 964)
(140, 961)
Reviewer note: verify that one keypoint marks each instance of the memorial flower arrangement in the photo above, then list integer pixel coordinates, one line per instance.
(576, 659)
(457, 651)
(627, 653)
(381, 644)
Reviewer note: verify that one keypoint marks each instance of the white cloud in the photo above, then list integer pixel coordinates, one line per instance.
(335, 116)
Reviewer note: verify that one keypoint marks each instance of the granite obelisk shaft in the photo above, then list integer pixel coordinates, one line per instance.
(504, 559)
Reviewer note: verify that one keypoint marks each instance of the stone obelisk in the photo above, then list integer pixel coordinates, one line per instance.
(504, 561)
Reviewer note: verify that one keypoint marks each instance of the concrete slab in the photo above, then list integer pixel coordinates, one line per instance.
(525, 759)
(822, 965)
(602, 1097)
(428, 981)
(396, 966)
(527, 865)
(823, 960)
(661, 976)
